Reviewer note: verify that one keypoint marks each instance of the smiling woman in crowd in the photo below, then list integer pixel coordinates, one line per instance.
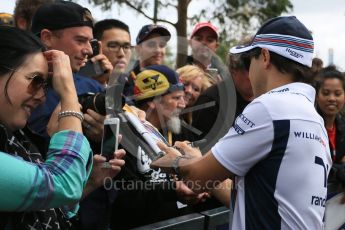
(330, 98)
(29, 184)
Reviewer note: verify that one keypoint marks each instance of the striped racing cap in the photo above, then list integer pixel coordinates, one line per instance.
(285, 36)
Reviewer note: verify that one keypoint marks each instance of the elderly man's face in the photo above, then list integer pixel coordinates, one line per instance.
(169, 107)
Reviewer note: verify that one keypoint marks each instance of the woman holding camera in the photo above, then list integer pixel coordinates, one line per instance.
(31, 189)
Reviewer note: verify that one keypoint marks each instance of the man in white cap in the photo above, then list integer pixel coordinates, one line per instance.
(277, 150)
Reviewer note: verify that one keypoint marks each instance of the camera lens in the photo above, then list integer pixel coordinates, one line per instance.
(93, 101)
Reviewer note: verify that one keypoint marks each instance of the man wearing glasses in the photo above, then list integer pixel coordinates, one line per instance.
(116, 42)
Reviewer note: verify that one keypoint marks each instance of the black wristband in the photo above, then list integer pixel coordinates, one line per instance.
(175, 164)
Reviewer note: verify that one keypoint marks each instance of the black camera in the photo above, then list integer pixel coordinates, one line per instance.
(94, 101)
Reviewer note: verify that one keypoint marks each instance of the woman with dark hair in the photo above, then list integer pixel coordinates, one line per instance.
(31, 189)
(330, 98)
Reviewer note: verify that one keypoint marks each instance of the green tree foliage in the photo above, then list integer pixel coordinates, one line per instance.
(236, 18)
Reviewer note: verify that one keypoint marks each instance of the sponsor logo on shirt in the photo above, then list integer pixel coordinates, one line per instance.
(310, 136)
(280, 91)
(242, 119)
(143, 164)
(318, 201)
(246, 120)
(238, 129)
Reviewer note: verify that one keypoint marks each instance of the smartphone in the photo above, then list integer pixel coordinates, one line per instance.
(111, 130)
(95, 47)
(92, 69)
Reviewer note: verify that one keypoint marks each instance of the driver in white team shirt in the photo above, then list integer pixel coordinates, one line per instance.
(277, 149)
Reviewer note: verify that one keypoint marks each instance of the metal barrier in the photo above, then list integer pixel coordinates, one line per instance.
(191, 221)
(217, 218)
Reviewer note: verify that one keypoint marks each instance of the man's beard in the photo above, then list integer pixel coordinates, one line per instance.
(174, 124)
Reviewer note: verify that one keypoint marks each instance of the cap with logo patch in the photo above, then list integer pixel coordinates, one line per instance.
(285, 36)
(154, 81)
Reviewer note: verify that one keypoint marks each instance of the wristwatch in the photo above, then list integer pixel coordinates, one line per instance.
(175, 164)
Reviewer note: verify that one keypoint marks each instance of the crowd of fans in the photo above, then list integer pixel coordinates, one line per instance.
(53, 174)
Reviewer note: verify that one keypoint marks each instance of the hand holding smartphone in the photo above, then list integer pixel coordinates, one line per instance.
(92, 69)
(111, 130)
(95, 47)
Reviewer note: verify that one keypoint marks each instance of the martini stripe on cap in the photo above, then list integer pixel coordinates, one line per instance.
(284, 43)
(286, 37)
(281, 44)
(293, 40)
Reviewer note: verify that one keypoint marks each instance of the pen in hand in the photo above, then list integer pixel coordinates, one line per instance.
(194, 144)
(197, 143)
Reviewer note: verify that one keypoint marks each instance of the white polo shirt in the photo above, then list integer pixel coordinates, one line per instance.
(278, 148)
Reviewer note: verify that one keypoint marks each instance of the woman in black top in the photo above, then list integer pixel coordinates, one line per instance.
(330, 98)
